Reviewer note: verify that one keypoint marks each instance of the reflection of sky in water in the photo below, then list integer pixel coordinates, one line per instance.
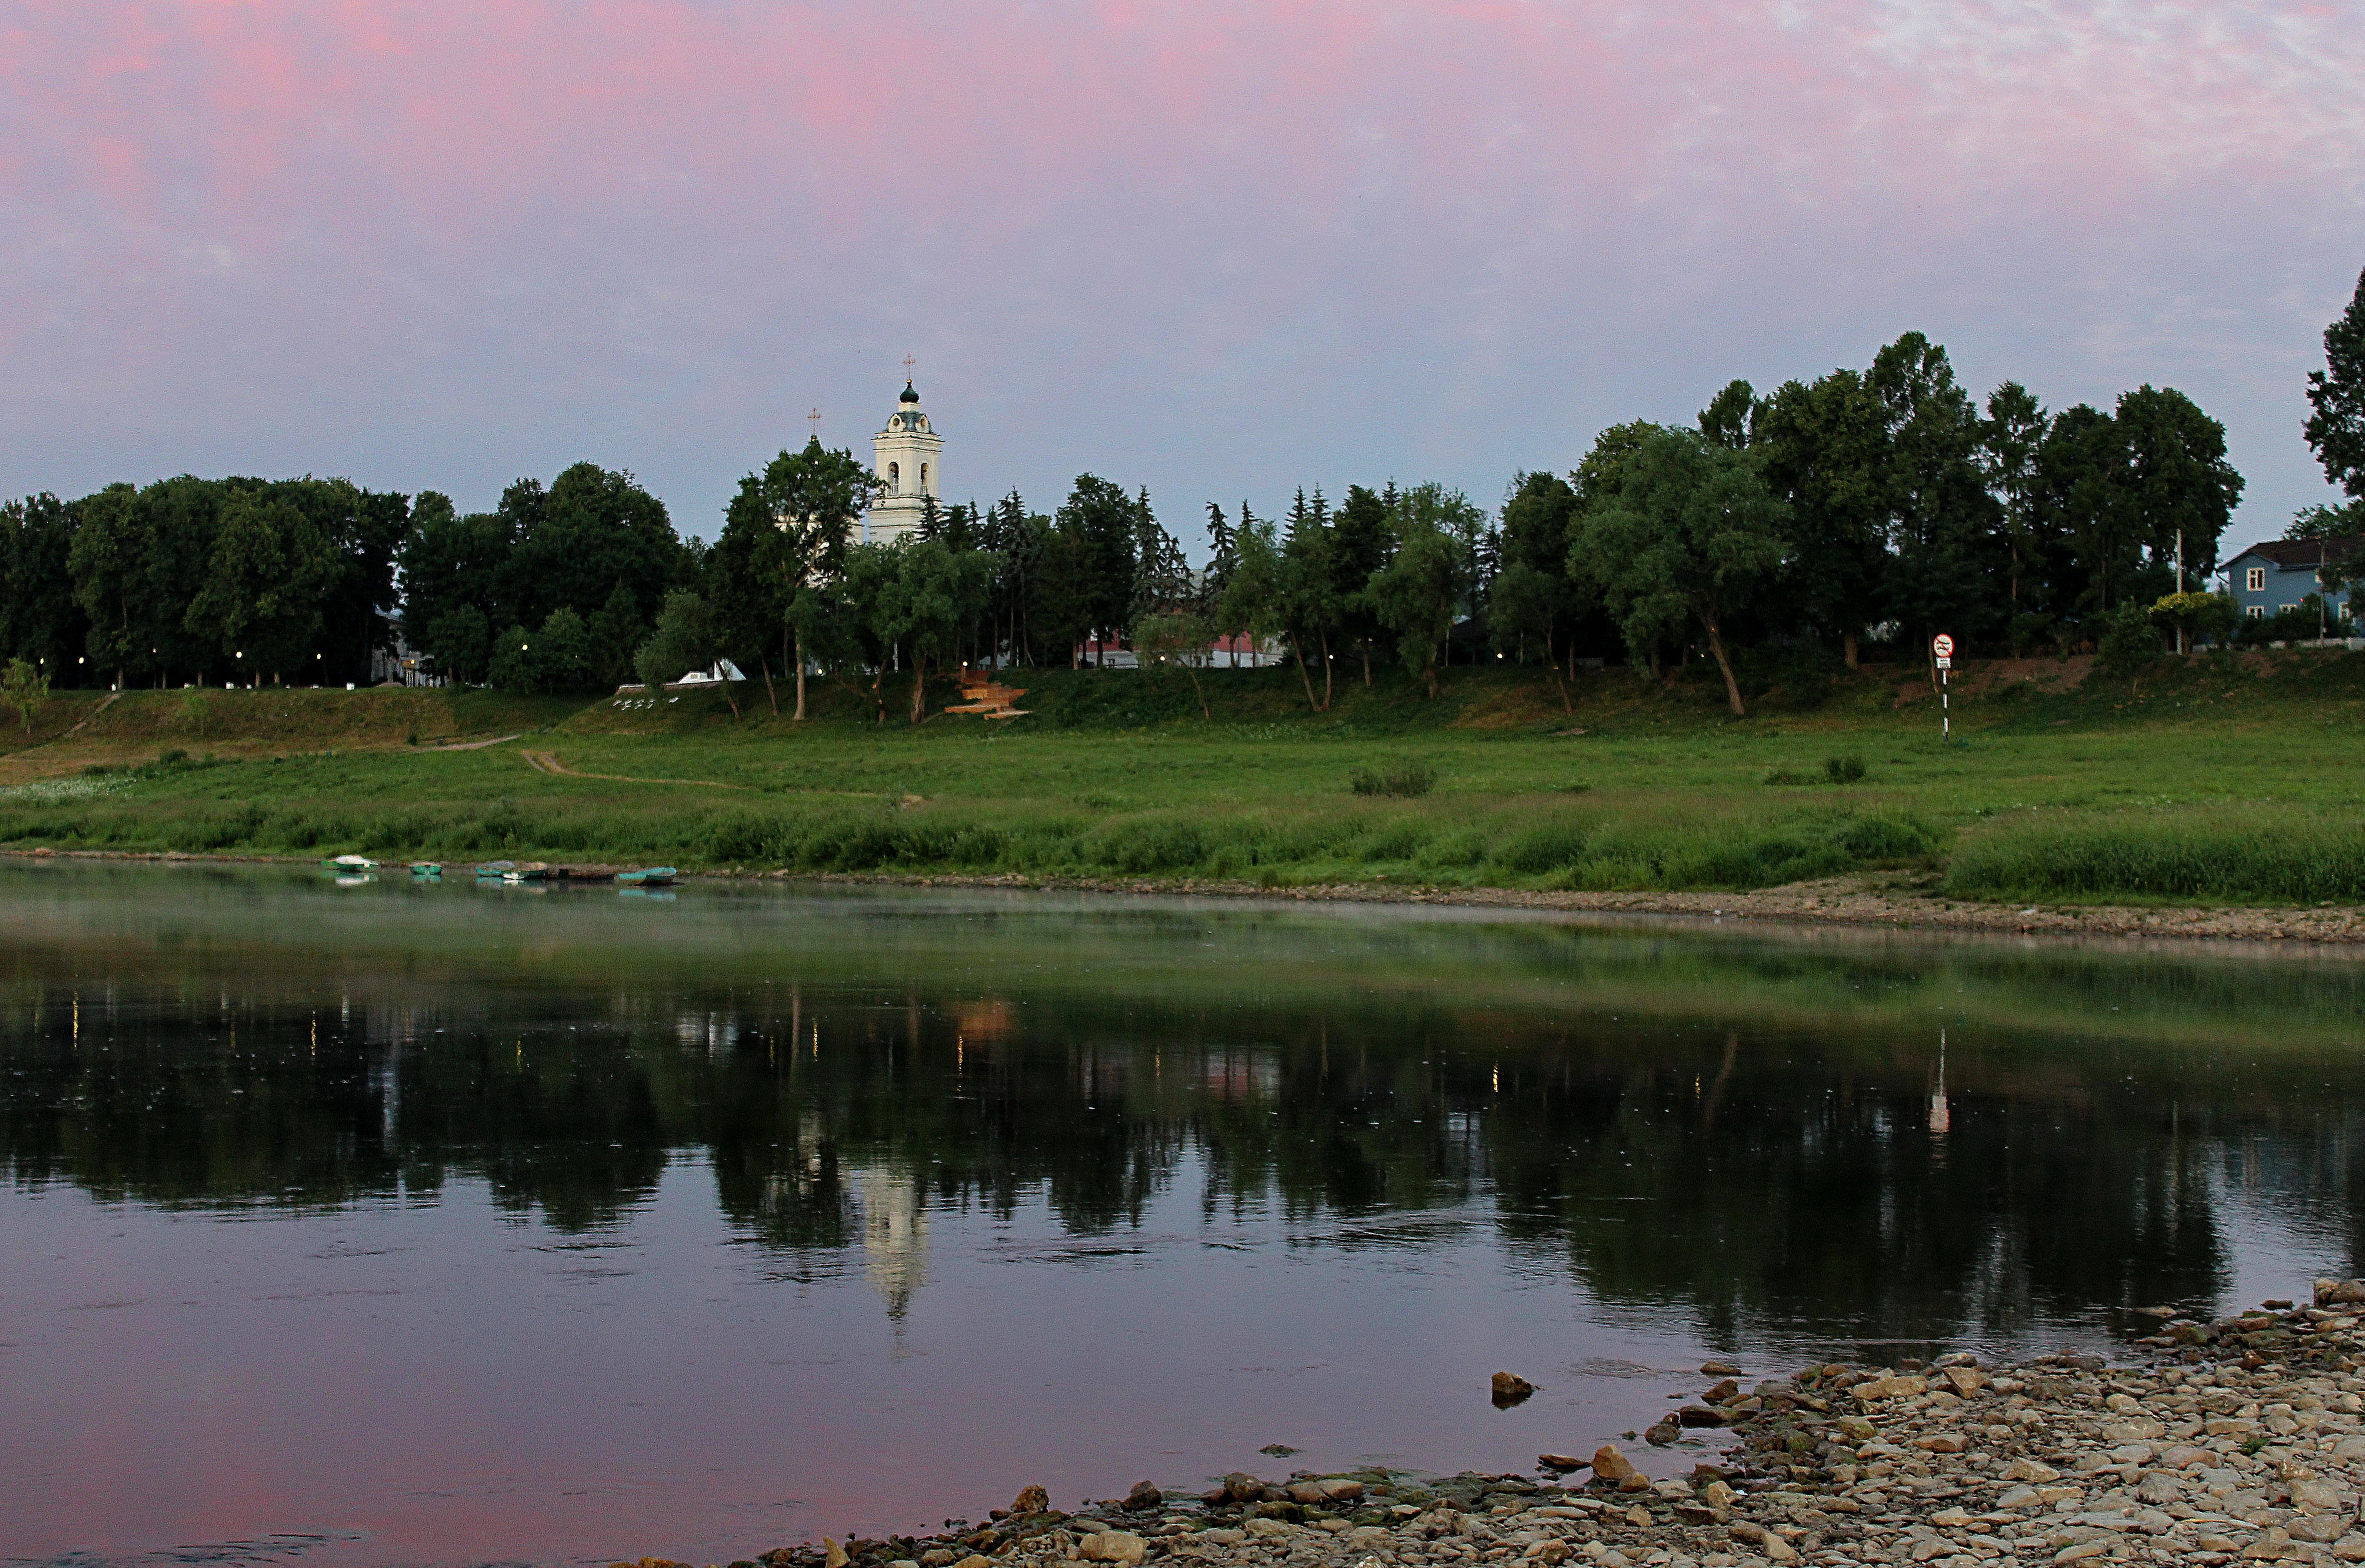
(512, 1231)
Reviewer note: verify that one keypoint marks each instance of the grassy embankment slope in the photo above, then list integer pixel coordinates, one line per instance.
(2224, 780)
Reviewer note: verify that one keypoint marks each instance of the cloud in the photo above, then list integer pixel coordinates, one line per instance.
(1216, 247)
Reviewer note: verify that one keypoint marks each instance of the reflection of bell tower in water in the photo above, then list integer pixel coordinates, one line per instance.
(907, 456)
(894, 1236)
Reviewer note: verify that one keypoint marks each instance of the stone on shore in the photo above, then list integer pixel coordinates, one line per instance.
(1030, 1500)
(1509, 1388)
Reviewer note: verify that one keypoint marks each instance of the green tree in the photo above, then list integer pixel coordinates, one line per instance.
(25, 689)
(1691, 534)
(2336, 395)
(112, 583)
(1534, 598)
(1306, 599)
(1417, 593)
(611, 633)
(1251, 606)
(40, 621)
(271, 569)
(2194, 617)
(934, 594)
(1827, 452)
(683, 640)
(591, 530)
(2010, 440)
(1175, 638)
(1362, 538)
(1729, 416)
(2082, 490)
(811, 500)
(1949, 563)
(1106, 523)
(2181, 488)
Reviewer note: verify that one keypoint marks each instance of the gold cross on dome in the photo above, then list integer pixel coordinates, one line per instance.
(908, 362)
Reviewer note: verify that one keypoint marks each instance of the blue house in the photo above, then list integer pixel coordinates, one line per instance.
(2279, 574)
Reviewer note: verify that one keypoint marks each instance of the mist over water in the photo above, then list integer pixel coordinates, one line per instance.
(390, 1222)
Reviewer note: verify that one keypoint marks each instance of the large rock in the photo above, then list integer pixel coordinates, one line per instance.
(1143, 1497)
(1611, 1465)
(1509, 1388)
(1117, 1546)
(1031, 1500)
(2337, 1293)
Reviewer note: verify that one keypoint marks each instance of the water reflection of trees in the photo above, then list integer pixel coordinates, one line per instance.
(1773, 1172)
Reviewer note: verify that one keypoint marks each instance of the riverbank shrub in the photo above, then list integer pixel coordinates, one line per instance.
(1404, 781)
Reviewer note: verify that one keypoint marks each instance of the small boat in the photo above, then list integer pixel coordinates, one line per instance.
(495, 869)
(531, 871)
(351, 863)
(650, 877)
(426, 868)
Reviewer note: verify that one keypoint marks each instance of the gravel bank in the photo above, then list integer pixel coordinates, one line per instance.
(2241, 1440)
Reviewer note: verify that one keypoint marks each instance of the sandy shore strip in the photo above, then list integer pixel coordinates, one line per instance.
(2236, 1441)
(1890, 901)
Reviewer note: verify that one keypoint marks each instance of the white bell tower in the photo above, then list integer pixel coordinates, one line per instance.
(907, 456)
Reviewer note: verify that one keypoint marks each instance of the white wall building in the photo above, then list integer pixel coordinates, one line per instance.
(908, 457)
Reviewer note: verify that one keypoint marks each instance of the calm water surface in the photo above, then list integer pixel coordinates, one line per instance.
(383, 1224)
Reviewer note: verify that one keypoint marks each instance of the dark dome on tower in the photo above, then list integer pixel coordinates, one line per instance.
(909, 396)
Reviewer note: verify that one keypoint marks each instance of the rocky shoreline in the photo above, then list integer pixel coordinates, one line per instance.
(2240, 1440)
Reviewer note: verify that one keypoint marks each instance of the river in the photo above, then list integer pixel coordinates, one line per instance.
(364, 1222)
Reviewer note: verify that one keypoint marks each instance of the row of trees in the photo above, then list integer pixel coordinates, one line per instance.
(1885, 502)
(297, 581)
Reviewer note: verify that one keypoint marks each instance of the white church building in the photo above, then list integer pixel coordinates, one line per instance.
(908, 457)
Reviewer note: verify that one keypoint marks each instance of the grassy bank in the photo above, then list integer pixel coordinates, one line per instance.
(2222, 780)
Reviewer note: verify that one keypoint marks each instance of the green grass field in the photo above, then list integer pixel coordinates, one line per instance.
(2224, 780)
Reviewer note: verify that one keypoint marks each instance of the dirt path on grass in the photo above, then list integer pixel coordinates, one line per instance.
(473, 746)
(547, 762)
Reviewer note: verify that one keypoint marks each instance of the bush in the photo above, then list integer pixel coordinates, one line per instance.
(2129, 640)
(1844, 769)
(1407, 780)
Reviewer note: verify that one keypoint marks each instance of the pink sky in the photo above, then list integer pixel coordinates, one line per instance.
(1219, 250)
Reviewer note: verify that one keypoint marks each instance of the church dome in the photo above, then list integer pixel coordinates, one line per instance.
(909, 396)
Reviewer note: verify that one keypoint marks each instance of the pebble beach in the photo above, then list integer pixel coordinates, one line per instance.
(2209, 1441)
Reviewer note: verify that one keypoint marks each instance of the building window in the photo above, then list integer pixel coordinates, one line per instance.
(923, 477)
(894, 476)
(2255, 580)
(2258, 612)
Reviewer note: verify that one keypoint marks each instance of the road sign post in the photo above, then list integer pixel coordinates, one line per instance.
(1942, 653)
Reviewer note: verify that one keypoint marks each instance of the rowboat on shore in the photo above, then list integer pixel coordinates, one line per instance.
(495, 870)
(350, 863)
(531, 871)
(649, 877)
(426, 868)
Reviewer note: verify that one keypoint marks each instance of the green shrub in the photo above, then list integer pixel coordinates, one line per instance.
(1844, 769)
(1405, 780)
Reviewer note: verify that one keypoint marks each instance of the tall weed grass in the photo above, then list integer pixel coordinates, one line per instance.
(2189, 856)
(1500, 842)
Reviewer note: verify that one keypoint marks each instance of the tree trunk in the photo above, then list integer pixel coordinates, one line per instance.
(764, 662)
(1326, 672)
(1311, 705)
(1429, 673)
(1848, 643)
(1365, 648)
(800, 676)
(919, 687)
(1732, 686)
(731, 695)
(1198, 691)
(1566, 705)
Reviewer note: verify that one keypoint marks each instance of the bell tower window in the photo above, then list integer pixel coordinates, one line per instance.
(895, 475)
(924, 477)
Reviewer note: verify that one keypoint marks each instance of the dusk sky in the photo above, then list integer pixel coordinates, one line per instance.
(1219, 250)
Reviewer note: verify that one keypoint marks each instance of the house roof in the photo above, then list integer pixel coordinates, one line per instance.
(2297, 552)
